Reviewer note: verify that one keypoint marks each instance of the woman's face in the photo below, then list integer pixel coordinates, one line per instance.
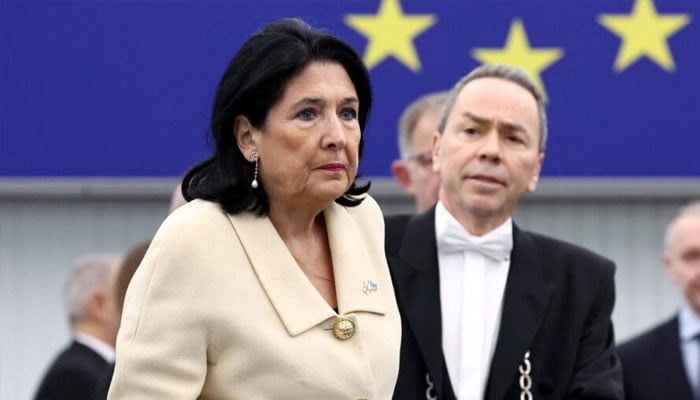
(310, 140)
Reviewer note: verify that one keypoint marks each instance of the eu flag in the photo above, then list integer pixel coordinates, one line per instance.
(124, 88)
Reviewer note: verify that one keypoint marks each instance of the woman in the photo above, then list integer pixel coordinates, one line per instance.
(271, 283)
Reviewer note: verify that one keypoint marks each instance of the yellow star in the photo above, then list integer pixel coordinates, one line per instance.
(644, 33)
(391, 33)
(518, 53)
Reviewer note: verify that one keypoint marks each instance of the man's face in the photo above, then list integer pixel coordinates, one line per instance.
(682, 258)
(425, 183)
(488, 156)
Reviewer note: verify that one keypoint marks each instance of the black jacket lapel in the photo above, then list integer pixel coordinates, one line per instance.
(415, 272)
(670, 365)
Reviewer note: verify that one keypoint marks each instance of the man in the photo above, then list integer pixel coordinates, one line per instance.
(94, 322)
(491, 311)
(414, 170)
(664, 363)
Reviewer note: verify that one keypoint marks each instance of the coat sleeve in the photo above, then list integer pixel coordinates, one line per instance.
(162, 340)
(598, 371)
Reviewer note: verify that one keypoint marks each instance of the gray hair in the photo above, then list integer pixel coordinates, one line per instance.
(510, 74)
(410, 116)
(90, 273)
(687, 210)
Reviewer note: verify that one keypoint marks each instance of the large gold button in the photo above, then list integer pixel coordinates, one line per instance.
(344, 329)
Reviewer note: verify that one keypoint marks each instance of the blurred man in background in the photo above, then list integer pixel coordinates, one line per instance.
(74, 374)
(664, 362)
(414, 171)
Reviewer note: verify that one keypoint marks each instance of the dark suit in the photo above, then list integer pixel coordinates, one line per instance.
(102, 387)
(653, 365)
(557, 304)
(73, 375)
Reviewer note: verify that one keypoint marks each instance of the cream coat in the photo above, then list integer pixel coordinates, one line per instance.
(218, 309)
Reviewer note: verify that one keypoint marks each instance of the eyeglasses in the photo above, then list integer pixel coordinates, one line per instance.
(424, 159)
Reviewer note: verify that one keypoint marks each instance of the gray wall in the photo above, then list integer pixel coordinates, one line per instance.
(46, 224)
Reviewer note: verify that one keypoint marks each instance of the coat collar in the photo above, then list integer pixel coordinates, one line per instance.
(525, 301)
(297, 302)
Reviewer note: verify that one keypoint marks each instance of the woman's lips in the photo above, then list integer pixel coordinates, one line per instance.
(333, 167)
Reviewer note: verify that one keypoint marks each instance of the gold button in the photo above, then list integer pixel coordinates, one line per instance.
(344, 329)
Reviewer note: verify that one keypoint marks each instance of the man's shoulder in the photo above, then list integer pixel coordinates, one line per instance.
(396, 223)
(409, 229)
(551, 249)
(75, 370)
(395, 228)
(649, 343)
(77, 356)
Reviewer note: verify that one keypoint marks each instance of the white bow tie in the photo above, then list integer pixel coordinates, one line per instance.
(495, 245)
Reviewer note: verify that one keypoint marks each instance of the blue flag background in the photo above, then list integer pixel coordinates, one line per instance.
(123, 88)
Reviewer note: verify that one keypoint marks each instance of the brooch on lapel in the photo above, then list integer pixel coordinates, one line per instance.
(430, 388)
(369, 287)
(525, 380)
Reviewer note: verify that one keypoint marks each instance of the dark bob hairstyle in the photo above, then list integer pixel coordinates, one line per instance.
(253, 83)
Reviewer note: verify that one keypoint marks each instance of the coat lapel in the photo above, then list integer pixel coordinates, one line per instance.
(670, 365)
(416, 278)
(525, 301)
(297, 302)
(356, 282)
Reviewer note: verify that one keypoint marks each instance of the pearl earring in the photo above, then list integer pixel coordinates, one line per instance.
(255, 156)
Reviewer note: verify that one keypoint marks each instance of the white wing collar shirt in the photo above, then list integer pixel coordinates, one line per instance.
(473, 274)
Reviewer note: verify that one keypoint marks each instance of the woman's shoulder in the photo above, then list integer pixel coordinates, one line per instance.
(195, 218)
(196, 210)
(198, 230)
